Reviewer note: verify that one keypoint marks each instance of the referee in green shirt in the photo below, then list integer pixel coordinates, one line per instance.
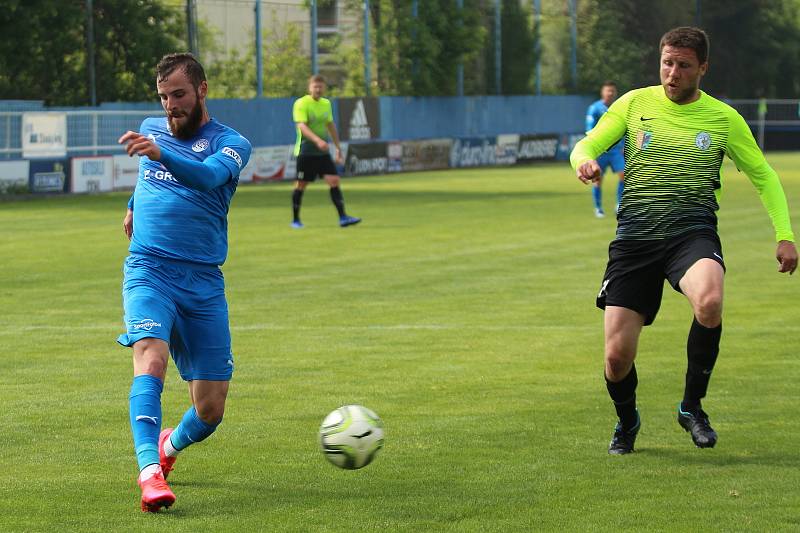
(675, 139)
(313, 116)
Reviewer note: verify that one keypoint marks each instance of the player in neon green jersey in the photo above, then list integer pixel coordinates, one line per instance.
(314, 118)
(675, 139)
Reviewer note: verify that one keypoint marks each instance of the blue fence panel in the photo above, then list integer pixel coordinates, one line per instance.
(264, 121)
(409, 118)
(268, 121)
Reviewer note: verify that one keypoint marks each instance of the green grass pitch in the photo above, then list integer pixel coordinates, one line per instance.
(461, 310)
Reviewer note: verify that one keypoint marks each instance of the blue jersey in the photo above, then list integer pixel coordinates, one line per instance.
(174, 221)
(593, 114)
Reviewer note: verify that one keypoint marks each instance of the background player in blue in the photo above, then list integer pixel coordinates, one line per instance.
(173, 289)
(613, 157)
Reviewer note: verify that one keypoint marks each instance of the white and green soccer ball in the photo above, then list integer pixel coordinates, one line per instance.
(351, 436)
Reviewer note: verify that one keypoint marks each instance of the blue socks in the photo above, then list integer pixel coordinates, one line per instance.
(620, 188)
(597, 195)
(191, 429)
(145, 415)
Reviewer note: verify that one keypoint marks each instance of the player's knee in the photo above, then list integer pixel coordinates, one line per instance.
(708, 309)
(150, 357)
(211, 412)
(618, 364)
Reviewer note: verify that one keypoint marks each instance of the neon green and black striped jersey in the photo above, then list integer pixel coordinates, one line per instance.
(317, 114)
(673, 155)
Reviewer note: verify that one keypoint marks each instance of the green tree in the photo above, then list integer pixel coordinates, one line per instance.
(286, 67)
(755, 45)
(755, 48)
(45, 58)
(517, 56)
(411, 55)
(607, 50)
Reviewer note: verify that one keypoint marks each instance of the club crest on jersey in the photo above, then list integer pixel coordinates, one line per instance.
(200, 145)
(703, 140)
(643, 139)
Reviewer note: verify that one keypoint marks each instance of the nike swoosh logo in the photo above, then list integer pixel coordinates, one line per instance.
(646, 119)
(718, 256)
(706, 372)
(153, 420)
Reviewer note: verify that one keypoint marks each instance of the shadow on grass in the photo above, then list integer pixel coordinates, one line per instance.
(693, 456)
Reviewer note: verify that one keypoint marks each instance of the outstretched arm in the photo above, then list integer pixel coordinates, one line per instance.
(202, 176)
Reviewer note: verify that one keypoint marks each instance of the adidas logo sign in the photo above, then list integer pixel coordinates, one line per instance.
(359, 127)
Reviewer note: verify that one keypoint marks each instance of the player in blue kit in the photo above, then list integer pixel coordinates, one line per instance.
(173, 290)
(613, 157)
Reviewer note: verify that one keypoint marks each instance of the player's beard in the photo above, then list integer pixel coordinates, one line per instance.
(189, 128)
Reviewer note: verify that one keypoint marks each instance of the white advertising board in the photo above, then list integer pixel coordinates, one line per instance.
(44, 134)
(92, 174)
(14, 176)
(126, 172)
(268, 163)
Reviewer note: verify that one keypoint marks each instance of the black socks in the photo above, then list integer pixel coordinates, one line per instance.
(297, 199)
(702, 349)
(338, 200)
(623, 393)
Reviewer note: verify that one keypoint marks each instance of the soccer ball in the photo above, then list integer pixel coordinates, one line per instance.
(351, 436)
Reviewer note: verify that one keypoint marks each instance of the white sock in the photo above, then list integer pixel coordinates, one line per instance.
(169, 449)
(149, 471)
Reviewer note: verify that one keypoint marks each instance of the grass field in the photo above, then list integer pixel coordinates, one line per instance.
(461, 310)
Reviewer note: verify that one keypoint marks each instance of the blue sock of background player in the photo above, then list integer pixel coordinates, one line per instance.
(597, 195)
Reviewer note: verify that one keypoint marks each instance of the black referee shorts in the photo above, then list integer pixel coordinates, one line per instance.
(636, 270)
(311, 167)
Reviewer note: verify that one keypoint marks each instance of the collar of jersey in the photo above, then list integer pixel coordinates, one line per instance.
(659, 90)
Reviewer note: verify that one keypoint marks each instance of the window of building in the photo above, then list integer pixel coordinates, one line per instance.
(327, 12)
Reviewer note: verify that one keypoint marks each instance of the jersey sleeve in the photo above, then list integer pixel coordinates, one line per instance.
(744, 151)
(609, 129)
(233, 154)
(299, 111)
(330, 112)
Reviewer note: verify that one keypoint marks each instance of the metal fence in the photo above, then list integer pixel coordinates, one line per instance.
(89, 132)
(776, 116)
(776, 123)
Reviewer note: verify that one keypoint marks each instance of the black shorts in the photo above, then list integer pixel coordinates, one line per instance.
(636, 270)
(311, 167)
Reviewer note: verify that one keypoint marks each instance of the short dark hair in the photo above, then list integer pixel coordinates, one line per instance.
(317, 78)
(609, 83)
(687, 37)
(184, 60)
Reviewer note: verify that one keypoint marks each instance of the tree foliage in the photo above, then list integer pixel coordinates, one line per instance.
(413, 55)
(755, 44)
(45, 58)
(517, 56)
(286, 68)
(755, 48)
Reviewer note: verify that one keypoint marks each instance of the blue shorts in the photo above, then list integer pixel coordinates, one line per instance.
(184, 305)
(613, 159)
